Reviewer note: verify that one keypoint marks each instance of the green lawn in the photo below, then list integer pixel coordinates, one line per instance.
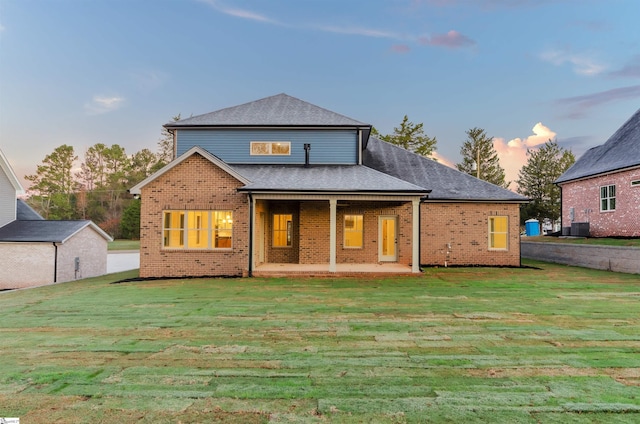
(454, 345)
(124, 245)
(633, 242)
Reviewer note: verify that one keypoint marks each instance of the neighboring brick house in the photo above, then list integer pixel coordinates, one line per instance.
(280, 181)
(601, 191)
(35, 251)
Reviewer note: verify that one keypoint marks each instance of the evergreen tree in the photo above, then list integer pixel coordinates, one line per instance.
(130, 223)
(165, 146)
(480, 159)
(54, 185)
(410, 136)
(536, 180)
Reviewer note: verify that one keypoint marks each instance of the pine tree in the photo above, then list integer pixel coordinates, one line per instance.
(410, 136)
(536, 180)
(480, 159)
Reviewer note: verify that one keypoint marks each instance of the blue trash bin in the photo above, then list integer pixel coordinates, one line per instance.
(532, 227)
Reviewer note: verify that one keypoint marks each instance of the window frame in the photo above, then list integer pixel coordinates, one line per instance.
(269, 151)
(195, 225)
(492, 233)
(635, 183)
(358, 219)
(606, 199)
(287, 230)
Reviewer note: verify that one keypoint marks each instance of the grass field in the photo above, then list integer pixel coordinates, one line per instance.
(460, 345)
(124, 245)
(599, 241)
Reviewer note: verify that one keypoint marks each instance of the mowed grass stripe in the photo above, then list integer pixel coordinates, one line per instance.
(555, 344)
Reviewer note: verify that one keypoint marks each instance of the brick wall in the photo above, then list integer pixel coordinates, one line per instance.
(464, 227)
(314, 232)
(26, 264)
(91, 248)
(584, 197)
(194, 184)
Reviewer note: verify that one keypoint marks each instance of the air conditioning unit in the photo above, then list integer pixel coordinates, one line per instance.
(580, 229)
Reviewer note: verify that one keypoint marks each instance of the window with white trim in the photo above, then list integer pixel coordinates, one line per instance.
(498, 232)
(353, 231)
(635, 183)
(197, 229)
(608, 198)
(270, 148)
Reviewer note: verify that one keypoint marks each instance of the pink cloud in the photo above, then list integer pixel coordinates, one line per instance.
(451, 40)
(443, 160)
(513, 154)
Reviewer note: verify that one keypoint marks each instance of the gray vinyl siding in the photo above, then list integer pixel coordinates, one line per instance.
(7, 199)
(233, 145)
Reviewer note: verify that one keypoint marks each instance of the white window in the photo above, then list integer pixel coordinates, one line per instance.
(353, 231)
(498, 232)
(635, 183)
(608, 198)
(197, 229)
(270, 148)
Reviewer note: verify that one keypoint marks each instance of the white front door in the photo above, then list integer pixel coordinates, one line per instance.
(387, 239)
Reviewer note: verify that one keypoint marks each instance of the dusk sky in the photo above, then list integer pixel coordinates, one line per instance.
(82, 72)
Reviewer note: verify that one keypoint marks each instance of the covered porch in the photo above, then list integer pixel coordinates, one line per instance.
(334, 234)
(320, 270)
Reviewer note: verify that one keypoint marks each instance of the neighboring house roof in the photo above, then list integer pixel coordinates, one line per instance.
(46, 231)
(620, 151)
(24, 212)
(194, 150)
(278, 110)
(445, 183)
(13, 179)
(323, 178)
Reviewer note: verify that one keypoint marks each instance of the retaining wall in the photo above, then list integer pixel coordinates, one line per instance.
(611, 258)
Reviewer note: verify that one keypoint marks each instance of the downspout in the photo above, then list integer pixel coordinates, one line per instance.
(250, 271)
(55, 262)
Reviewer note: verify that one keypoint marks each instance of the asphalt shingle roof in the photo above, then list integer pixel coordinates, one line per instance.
(444, 182)
(278, 110)
(621, 150)
(25, 212)
(41, 230)
(329, 178)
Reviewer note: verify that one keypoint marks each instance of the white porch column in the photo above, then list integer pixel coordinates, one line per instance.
(333, 202)
(415, 242)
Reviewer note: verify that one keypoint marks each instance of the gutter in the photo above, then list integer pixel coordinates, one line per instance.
(250, 267)
(55, 262)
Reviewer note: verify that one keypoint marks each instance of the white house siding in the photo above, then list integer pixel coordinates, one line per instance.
(26, 264)
(8, 202)
(91, 249)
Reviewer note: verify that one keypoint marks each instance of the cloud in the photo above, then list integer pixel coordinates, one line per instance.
(149, 80)
(582, 64)
(630, 70)
(443, 160)
(367, 32)
(102, 104)
(451, 40)
(513, 154)
(239, 13)
(579, 106)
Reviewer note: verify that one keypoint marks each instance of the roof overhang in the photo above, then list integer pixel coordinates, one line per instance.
(599, 174)
(13, 178)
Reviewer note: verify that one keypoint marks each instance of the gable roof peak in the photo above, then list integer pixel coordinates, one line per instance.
(280, 110)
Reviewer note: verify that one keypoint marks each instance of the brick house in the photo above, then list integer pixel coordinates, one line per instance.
(35, 251)
(279, 185)
(601, 191)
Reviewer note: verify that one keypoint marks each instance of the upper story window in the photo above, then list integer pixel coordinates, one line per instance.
(635, 183)
(197, 229)
(270, 148)
(608, 198)
(498, 232)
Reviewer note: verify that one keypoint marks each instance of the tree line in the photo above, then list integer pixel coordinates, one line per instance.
(99, 190)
